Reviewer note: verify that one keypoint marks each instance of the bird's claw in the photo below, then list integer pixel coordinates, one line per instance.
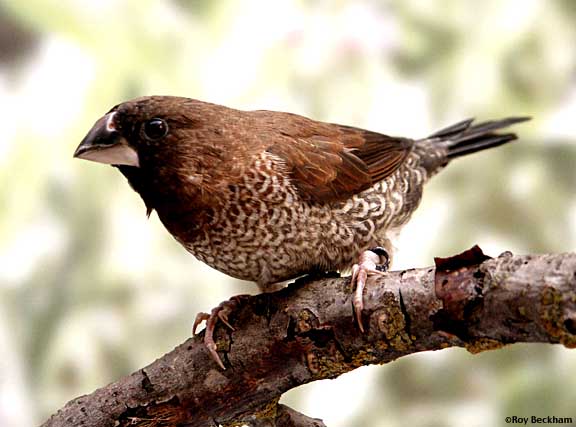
(200, 317)
(373, 261)
(223, 316)
(220, 312)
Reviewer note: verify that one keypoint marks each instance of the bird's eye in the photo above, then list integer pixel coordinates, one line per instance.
(155, 128)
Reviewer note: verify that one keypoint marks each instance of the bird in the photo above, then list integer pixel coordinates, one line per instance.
(270, 196)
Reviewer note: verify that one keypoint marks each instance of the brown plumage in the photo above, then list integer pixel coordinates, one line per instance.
(269, 196)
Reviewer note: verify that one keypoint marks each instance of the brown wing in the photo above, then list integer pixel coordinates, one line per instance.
(330, 162)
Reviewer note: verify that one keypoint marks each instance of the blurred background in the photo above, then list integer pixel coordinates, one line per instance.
(90, 290)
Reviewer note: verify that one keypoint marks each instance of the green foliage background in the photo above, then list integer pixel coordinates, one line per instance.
(90, 290)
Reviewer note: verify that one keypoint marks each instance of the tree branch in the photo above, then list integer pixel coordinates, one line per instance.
(306, 332)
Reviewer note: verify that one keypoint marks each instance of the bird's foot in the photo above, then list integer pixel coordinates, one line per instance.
(373, 261)
(220, 312)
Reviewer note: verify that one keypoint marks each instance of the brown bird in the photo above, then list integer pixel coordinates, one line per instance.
(269, 196)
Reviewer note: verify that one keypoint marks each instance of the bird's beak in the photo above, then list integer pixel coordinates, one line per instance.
(105, 144)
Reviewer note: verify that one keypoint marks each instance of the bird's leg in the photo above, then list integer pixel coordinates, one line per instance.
(220, 312)
(373, 261)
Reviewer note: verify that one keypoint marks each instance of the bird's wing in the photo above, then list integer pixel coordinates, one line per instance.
(330, 162)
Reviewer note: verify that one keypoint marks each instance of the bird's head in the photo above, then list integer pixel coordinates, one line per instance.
(168, 147)
(140, 130)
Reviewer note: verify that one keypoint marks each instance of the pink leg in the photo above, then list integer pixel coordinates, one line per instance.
(220, 312)
(374, 261)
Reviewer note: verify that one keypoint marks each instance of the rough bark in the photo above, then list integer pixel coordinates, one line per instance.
(306, 332)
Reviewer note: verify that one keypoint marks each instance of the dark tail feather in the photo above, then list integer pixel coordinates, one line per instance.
(465, 138)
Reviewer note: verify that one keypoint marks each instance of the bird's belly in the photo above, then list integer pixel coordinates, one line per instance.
(272, 248)
(272, 243)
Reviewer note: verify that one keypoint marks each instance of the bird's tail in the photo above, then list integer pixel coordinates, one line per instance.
(464, 138)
